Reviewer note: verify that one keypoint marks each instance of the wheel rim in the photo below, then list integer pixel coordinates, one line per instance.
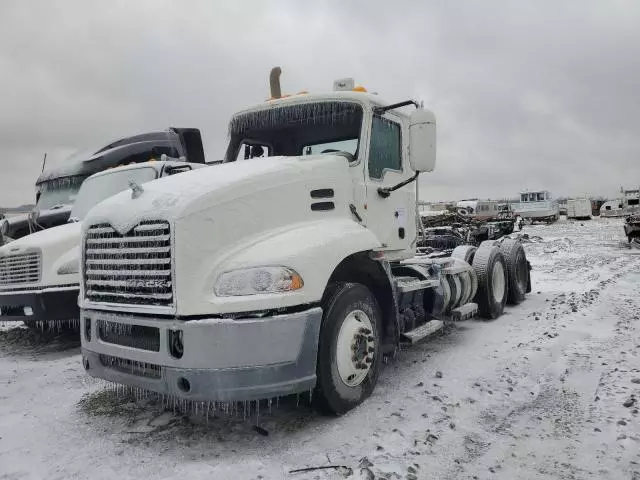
(498, 282)
(355, 348)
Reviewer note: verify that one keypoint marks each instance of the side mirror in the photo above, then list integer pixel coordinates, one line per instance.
(422, 140)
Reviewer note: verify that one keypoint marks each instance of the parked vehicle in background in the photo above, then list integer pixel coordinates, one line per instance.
(294, 270)
(612, 208)
(595, 206)
(505, 212)
(57, 188)
(579, 208)
(538, 206)
(39, 273)
(563, 206)
(627, 204)
(632, 229)
(478, 209)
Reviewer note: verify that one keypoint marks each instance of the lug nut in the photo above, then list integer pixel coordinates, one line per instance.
(370, 339)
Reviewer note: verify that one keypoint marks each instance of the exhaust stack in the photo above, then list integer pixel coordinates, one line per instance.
(274, 82)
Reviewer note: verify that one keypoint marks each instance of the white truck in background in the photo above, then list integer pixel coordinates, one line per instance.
(579, 208)
(292, 267)
(478, 209)
(39, 273)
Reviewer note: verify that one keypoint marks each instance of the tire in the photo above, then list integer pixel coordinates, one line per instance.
(464, 252)
(456, 291)
(465, 282)
(517, 270)
(491, 270)
(342, 386)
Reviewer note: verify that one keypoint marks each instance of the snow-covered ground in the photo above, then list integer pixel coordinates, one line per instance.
(539, 393)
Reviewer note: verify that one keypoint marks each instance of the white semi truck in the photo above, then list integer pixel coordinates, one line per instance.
(39, 273)
(292, 267)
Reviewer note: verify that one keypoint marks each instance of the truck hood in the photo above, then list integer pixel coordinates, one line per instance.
(62, 234)
(58, 246)
(183, 195)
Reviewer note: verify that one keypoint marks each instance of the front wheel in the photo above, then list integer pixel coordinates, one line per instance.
(349, 353)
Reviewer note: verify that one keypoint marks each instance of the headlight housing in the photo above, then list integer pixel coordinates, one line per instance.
(256, 281)
(69, 267)
(4, 226)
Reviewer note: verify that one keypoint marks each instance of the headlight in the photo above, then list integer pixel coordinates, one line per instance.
(69, 267)
(254, 281)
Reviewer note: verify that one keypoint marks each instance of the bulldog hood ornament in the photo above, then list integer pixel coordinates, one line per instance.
(136, 190)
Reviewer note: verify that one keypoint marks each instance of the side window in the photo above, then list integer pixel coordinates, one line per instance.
(386, 147)
(253, 150)
(173, 170)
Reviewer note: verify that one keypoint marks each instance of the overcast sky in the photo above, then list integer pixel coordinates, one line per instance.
(540, 94)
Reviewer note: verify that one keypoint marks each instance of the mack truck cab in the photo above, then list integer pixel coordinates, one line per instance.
(39, 273)
(290, 268)
(57, 187)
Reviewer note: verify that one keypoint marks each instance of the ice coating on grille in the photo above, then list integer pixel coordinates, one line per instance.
(134, 268)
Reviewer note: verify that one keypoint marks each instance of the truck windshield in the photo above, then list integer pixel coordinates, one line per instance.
(58, 192)
(301, 129)
(101, 187)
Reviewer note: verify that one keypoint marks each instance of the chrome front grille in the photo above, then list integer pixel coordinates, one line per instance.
(134, 268)
(20, 268)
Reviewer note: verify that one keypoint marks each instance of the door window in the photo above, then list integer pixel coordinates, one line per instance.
(386, 147)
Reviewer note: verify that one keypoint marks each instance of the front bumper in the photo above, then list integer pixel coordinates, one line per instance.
(46, 304)
(222, 359)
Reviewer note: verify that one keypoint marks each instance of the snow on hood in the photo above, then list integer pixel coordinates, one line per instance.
(45, 238)
(181, 195)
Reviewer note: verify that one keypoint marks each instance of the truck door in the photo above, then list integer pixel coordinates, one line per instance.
(391, 219)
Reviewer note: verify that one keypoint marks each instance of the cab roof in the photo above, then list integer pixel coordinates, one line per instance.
(365, 99)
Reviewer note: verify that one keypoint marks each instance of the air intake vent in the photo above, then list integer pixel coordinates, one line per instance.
(132, 367)
(134, 336)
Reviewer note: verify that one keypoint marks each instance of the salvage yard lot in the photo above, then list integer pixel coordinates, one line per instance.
(549, 390)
